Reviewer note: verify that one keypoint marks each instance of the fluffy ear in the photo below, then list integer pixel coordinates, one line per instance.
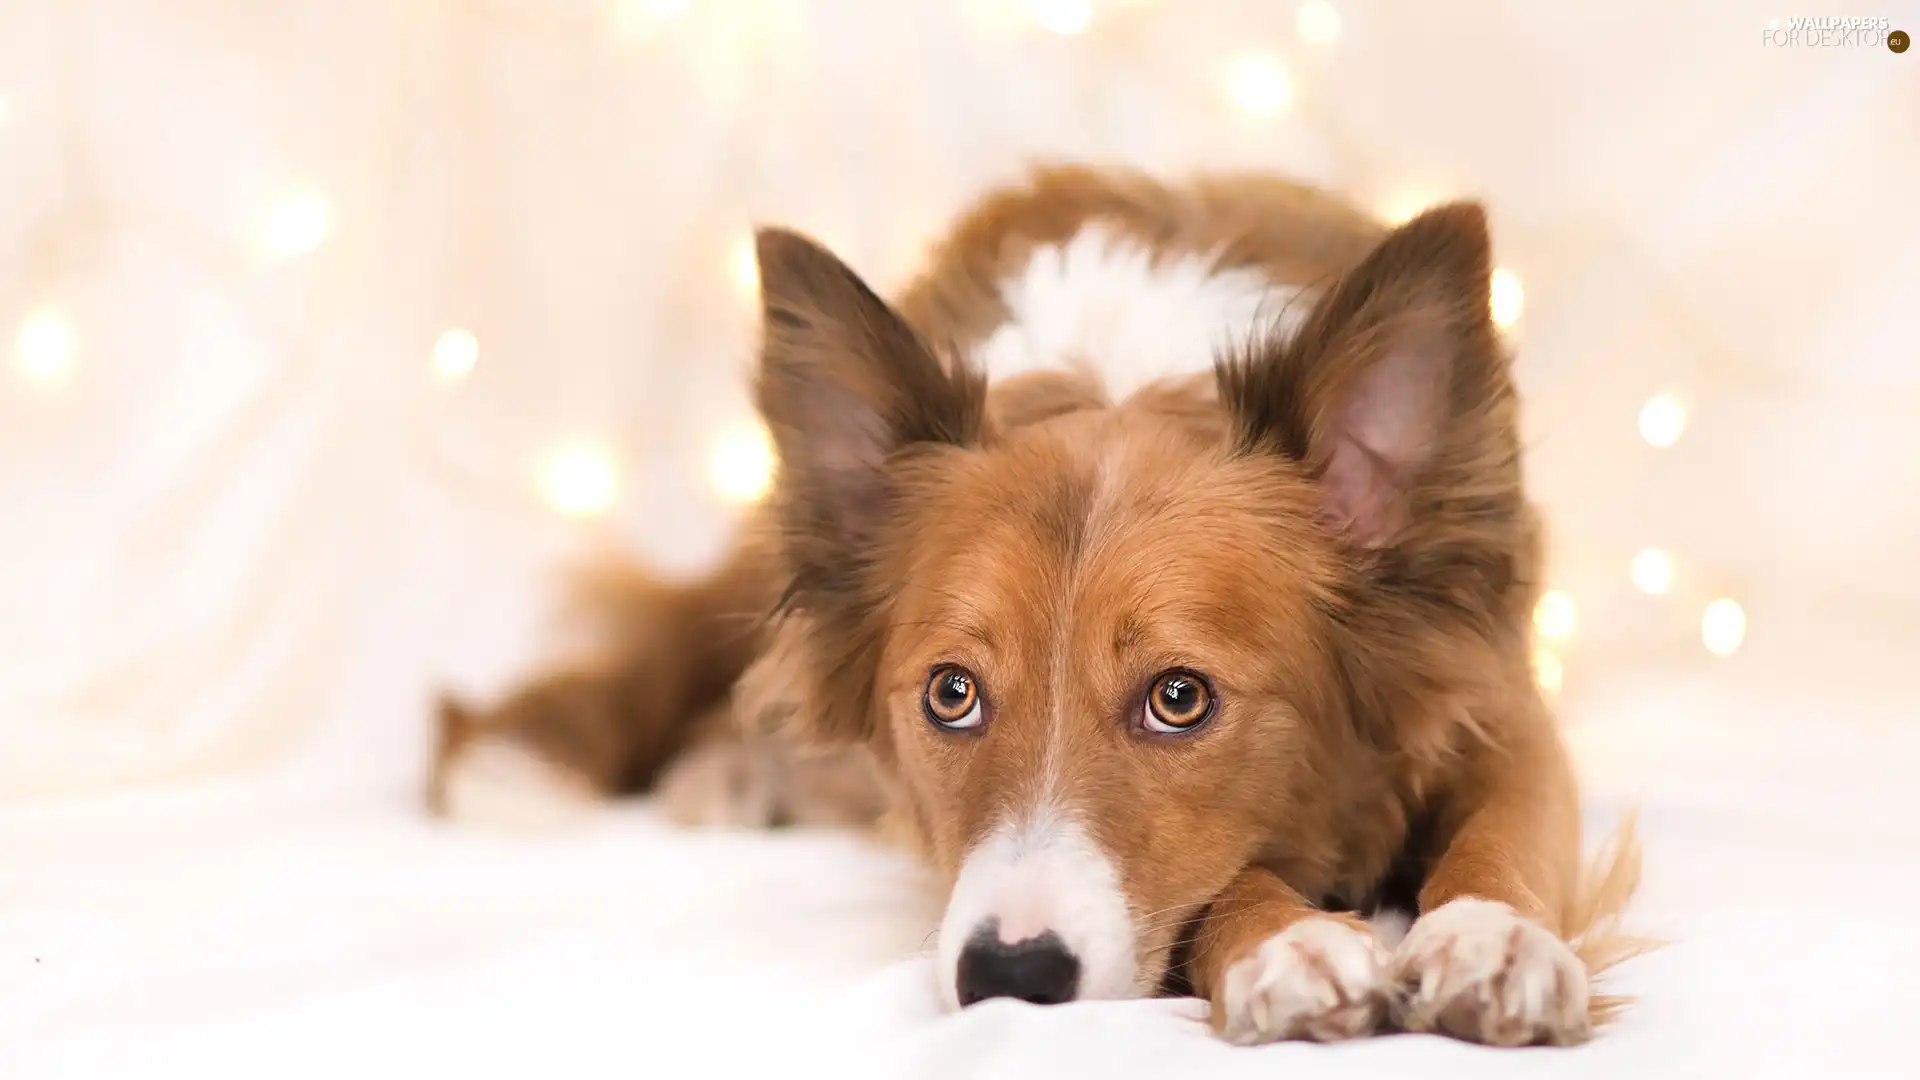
(1396, 375)
(844, 385)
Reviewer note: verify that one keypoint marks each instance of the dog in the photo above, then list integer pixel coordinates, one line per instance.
(1158, 565)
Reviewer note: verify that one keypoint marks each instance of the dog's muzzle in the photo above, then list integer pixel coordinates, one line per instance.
(1041, 970)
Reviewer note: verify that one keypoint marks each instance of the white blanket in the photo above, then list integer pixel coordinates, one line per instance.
(230, 934)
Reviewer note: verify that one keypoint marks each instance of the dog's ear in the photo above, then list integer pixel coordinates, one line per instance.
(1396, 380)
(846, 387)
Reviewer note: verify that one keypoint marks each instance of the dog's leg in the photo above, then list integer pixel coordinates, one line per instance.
(755, 779)
(569, 738)
(1276, 967)
(1485, 960)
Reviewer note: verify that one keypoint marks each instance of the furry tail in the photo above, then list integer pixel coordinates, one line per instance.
(613, 606)
(1592, 922)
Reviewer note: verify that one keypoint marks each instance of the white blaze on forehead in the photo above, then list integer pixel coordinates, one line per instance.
(1044, 873)
(1101, 302)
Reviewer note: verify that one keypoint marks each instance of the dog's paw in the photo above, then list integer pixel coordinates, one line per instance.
(763, 782)
(498, 783)
(1476, 970)
(1319, 979)
(726, 783)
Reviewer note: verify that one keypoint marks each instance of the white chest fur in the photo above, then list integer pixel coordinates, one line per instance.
(1102, 303)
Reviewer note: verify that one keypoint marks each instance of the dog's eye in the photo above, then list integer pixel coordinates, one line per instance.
(1177, 702)
(953, 699)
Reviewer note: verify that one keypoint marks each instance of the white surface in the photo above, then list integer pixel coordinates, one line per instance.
(239, 934)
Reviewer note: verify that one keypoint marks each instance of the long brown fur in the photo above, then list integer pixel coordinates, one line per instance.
(1379, 644)
(1592, 923)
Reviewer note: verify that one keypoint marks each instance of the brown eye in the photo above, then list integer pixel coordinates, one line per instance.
(953, 699)
(1177, 702)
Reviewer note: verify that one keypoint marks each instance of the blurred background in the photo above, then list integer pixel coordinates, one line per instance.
(332, 327)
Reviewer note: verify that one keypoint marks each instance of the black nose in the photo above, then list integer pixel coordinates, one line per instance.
(1039, 969)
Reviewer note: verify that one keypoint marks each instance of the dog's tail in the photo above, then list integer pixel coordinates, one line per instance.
(1592, 922)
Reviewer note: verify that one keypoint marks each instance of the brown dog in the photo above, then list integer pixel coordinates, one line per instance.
(1169, 678)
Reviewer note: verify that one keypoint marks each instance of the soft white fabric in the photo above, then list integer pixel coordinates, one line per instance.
(238, 934)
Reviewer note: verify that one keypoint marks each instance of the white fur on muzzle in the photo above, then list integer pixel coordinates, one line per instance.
(1043, 874)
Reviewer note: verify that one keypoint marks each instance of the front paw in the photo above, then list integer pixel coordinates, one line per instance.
(1477, 970)
(1320, 979)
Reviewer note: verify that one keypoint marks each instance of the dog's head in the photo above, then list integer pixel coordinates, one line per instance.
(1106, 654)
